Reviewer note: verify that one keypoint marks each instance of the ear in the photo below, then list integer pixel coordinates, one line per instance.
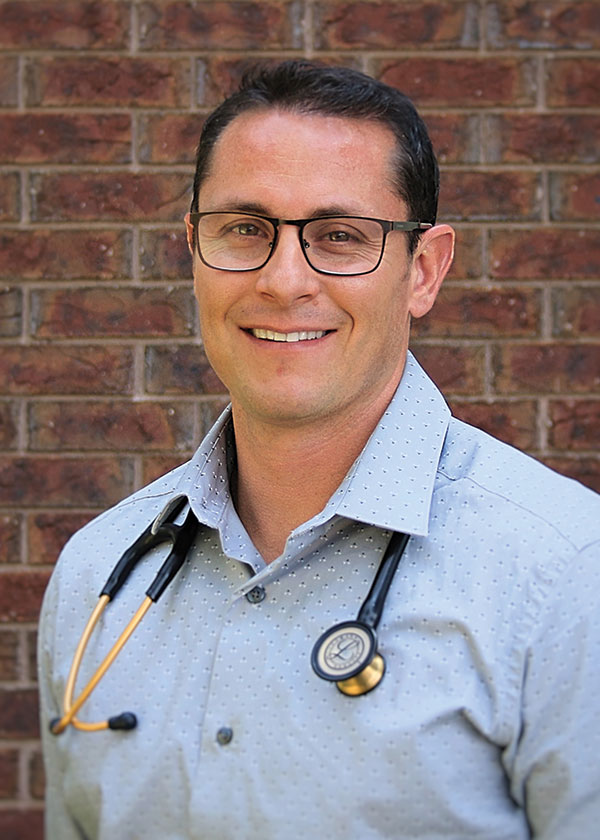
(431, 262)
(189, 230)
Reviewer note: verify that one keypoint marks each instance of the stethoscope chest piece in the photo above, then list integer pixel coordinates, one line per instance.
(347, 655)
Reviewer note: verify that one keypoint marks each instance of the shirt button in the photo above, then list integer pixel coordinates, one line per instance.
(224, 735)
(256, 595)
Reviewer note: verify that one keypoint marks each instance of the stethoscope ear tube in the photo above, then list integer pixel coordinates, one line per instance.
(347, 653)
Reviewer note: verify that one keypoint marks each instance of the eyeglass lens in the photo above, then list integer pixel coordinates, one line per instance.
(340, 245)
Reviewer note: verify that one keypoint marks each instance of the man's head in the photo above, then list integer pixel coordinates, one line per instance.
(304, 307)
(306, 88)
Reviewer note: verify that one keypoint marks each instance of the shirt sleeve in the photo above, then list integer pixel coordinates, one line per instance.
(556, 773)
(59, 823)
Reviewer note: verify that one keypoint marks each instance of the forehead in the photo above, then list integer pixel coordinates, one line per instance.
(303, 160)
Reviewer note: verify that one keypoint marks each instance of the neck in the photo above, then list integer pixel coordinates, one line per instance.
(286, 475)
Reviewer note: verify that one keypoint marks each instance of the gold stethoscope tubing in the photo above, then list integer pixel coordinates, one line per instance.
(71, 708)
(163, 529)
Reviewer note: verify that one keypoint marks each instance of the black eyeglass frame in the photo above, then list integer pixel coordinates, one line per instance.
(386, 225)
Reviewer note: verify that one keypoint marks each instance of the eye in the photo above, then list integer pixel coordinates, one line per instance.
(246, 229)
(339, 236)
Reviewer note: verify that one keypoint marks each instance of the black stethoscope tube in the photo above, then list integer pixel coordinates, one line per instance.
(346, 654)
(372, 609)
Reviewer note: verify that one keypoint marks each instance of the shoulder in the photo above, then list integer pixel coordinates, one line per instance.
(503, 481)
(104, 538)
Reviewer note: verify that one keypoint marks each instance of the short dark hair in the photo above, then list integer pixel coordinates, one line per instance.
(308, 87)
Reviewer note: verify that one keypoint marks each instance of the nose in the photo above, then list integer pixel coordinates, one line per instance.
(287, 277)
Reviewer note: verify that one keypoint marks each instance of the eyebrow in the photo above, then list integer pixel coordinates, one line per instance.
(262, 210)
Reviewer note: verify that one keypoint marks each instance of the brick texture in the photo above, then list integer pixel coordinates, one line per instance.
(103, 382)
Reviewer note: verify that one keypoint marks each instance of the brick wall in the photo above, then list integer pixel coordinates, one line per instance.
(104, 384)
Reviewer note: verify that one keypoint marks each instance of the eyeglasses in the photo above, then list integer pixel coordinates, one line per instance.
(343, 245)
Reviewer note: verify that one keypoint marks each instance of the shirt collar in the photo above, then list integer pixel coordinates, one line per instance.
(391, 483)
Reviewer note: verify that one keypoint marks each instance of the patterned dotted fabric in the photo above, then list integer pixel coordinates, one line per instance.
(487, 721)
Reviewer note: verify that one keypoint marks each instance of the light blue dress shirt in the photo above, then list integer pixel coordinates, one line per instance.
(487, 721)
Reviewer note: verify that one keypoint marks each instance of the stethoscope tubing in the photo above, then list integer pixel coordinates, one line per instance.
(181, 537)
(361, 677)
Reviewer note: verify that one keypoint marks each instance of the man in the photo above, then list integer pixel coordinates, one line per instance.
(314, 244)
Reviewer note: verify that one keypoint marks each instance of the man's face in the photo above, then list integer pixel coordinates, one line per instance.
(291, 166)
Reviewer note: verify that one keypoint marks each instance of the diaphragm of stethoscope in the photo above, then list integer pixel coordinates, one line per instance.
(347, 655)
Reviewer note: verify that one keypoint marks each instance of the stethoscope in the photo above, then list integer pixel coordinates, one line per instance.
(345, 654)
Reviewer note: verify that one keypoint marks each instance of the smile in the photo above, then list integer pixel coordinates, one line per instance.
(304, 335)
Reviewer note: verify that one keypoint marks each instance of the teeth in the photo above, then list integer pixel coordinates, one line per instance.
(305, 335)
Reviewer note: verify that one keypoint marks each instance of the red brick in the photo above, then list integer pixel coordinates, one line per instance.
(109, 311)
(22, 824)
(359, 25)
(9, 773)
(164, 255)
(9, 80)
(572, 82)
(47, 533)
(575, 424)
(542, 138)
(547, 368)
(37, 779)
(483, 196)
(18, 715)
(454, 369)
(31, 646)
(468, 255)
(9, 433)
(21, 595)
(576, 311)
(156, 466)
(9, 655)
(522, 24)
(513, 422)
(121, 197)
(467, 82)
(66, 370)
(455, 137)
(64, 482)
(585, 470)
(217, 77)
(169, 138)
(10, 312)
(219, 25)
(10, 538)
(544, 253)
(65, 138)
(65, 254)
(122, 81)
(117, 426)
(10, 201)
(70, 24)
(574, 197)
(481, 312)
(180, 369)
